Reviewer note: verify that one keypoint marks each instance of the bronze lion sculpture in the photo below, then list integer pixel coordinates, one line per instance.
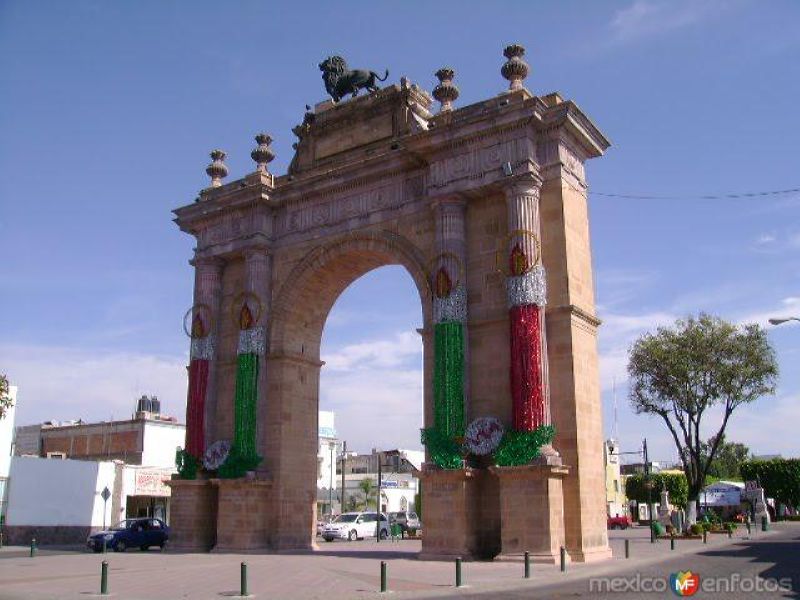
(340, 81)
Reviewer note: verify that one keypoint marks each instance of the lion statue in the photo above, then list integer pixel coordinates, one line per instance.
(340, 81)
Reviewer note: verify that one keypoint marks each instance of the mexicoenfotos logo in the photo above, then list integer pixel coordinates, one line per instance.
(684, 583)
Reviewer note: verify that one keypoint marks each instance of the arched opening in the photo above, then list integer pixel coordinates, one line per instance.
(371, 387)
(300, 311)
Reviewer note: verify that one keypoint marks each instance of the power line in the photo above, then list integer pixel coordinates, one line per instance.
(696, 197)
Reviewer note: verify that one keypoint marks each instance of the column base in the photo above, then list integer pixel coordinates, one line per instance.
(193, 515)
(531, 511)
(539, 558)
(589, 556)
(460, 515)
(244, 515)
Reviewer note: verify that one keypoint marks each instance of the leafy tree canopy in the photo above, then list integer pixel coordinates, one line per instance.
(681, 372)
(674, 483)
(727, 461)
(5, 398)
(780, 478)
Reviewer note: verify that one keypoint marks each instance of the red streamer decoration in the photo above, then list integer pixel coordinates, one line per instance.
(527, 385)
(196, 408)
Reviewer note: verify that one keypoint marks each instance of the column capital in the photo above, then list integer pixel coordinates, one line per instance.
(452, 201)
(527, 184)
(207, 263)
(255, 252)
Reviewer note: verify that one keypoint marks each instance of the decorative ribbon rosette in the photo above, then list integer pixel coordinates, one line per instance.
(483, 435)
(216, 455)
(243, 456)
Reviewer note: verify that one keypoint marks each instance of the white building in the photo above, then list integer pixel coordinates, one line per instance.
(6, 449)
(327, 452)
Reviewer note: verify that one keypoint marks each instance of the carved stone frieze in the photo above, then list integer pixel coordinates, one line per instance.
(476, 162)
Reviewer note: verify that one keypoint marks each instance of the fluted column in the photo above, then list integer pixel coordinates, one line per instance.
(527, 296)
(201, 404)
(448, 284)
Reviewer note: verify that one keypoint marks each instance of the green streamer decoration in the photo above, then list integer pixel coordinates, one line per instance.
(443, 450)
(243, 456)
(186, 464)
(521, 447)
(448, 378)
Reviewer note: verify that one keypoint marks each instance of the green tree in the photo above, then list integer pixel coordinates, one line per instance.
(366, 488)
(680, 373)
(728, 460)
(780, 478)
(5, 398)
(674, 483)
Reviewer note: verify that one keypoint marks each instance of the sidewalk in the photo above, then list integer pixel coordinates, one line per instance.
(338, 570)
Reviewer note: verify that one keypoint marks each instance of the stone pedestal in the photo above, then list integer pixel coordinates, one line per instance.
(460, 515)
(193, 515)
(244, 516)
(531, 511)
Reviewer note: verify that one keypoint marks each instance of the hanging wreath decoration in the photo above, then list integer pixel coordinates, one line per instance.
(518, 263)
(197, 321)
(216, 455)
(483, 435)
(244, 315)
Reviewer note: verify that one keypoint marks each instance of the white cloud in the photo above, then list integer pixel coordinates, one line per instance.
(375, 354)
(649, 18)
(70, 383)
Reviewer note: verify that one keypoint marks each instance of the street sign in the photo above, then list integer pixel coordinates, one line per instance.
(105, 494)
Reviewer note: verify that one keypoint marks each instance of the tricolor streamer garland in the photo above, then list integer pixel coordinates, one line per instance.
(243, 456)
(527, 293)
(443, 440)
(202, 352)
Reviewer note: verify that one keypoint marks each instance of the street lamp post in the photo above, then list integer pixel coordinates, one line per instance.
(332, 447)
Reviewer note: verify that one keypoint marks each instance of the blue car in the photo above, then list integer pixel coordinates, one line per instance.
(139, 533)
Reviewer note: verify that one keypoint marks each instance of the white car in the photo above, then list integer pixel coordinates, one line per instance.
(355, 525)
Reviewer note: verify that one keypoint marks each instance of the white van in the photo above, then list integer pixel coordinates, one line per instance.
(355, 525)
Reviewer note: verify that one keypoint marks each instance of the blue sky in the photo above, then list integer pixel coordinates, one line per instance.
(109, 109)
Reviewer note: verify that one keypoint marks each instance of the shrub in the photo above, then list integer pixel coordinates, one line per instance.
(696, 529)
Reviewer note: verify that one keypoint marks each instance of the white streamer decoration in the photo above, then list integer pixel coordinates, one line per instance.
(528, 288)
(483, 435)
(216, 454)
(203, 348)
(251, 341)
(452, 307)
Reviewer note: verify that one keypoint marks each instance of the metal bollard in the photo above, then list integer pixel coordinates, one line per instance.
(627, 548)
(705, 536)
(527, 565)
(1, 539)
(33, 547)
(730, 534)
(104, 578)
(563, 559)
(383, 576)
(764, 525)
(243, 582)
(672, 543)
(458, 572)
(748, 528)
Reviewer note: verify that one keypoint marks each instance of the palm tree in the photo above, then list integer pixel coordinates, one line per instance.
(365, 485)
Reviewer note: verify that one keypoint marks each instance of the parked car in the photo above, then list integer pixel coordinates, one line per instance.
(406, 519)
(355, 525)
(619, 522)
(131, 533)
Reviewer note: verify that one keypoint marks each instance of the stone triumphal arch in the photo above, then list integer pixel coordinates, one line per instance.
(485, 207)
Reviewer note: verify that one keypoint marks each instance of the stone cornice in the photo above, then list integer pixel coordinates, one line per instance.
(577, 312)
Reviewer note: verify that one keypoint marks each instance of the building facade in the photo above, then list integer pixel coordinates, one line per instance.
(6, 449)
(616, 503)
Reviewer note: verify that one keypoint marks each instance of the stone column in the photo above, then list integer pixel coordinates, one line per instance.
(258, 278)
(208, 292)
(451, 251)
(526, 289)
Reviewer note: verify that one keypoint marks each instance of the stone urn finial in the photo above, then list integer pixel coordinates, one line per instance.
(446, 92)
(217, 169)
(515, 69)
(263, 153)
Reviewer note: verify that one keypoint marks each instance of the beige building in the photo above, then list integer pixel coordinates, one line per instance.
(616, 501)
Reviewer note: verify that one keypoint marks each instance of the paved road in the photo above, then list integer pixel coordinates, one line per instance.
(351, 570)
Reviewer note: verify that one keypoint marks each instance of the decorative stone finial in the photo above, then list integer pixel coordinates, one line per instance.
(446, 92)
(515, 69)
(217, 169)
(263, 154)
